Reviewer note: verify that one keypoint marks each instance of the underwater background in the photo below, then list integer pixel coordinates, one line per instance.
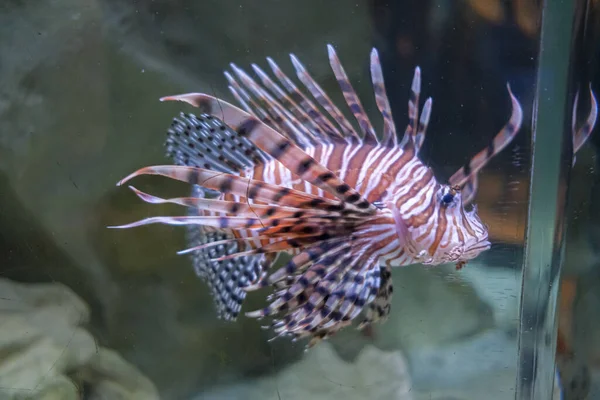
(87, 312)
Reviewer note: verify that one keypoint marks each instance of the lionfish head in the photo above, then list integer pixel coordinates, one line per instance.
(451, 233)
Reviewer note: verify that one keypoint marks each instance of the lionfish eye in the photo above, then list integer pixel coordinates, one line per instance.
(448, 195)
(448, 198)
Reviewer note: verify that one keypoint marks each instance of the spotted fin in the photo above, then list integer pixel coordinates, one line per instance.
(321, 290)
(226, 279)
(206, 142)
(380, 308)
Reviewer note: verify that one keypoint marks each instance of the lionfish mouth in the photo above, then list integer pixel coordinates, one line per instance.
(477, 249)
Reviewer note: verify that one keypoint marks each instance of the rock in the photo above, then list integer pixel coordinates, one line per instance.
(48, 354)
(322, 374)
(115, 378)
(79, 111)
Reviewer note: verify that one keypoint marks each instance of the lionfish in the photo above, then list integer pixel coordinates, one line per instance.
(289, 174)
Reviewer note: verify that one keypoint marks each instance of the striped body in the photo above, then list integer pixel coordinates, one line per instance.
(382, 175)
(283, 174)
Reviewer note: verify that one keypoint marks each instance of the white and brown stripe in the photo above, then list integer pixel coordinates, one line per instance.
(347, 204)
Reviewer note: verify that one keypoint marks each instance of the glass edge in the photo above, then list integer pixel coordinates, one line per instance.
(550, 169)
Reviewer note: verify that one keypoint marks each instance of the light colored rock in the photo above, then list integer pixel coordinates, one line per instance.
(79, 89)
(115, 378)
(323, 375)
(47, 354)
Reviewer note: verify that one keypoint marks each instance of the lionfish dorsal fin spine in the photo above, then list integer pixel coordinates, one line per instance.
(206, 142)
(249, 104)
(413, 102)
(469, 190)
(239, 186)
(279, 148)
(351, 97)
(305, 103)
(500, 141)
(389, 136)
(423, 124)
(468, 174)
(410, 134)
(324, 101)
(287, 123)
(299, 116)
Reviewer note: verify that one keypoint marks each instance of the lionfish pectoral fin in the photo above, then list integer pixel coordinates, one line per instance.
(205, 141)
(326, 287)
(400, 225)
(380, 308)
(351, 97)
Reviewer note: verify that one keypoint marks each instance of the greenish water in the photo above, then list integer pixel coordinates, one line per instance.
(79, 110)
